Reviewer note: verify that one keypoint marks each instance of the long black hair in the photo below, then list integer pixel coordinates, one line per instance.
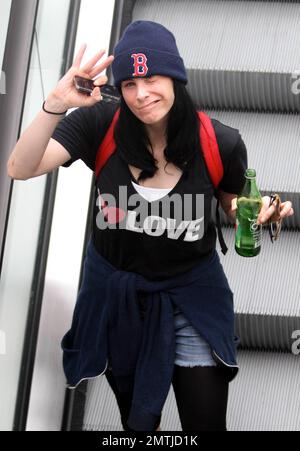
(182, 135)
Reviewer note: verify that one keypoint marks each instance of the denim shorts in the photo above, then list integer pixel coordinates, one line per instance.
(190, 350)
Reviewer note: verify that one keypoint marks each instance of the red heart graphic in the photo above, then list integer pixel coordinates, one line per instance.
(112, 215)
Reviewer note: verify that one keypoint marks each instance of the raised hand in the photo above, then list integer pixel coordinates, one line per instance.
(66, 96)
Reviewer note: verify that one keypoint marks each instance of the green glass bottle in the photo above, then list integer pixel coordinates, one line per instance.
(248, 233)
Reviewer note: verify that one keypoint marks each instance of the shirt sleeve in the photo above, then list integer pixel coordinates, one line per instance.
(82, 131)
(234, 157)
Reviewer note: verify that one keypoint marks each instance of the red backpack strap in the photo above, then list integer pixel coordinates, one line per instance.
(210, 149)
(211, 153)
(107, 146)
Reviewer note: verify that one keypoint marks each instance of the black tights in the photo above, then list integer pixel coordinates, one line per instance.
(201, 395)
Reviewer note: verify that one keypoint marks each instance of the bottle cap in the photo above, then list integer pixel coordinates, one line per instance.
(250, 173)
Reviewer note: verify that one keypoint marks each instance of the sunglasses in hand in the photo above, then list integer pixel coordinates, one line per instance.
(275, 224)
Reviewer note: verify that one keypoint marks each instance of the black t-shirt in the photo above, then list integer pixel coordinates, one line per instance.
(157, 239)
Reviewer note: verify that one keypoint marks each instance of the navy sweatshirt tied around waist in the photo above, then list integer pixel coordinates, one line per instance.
(124, 319)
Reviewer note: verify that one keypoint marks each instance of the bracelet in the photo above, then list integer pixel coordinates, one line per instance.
(50, 112)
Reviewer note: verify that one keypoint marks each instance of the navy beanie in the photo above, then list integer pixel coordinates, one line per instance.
(147, 48)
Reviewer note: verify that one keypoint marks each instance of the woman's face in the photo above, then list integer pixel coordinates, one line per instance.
(150, 99)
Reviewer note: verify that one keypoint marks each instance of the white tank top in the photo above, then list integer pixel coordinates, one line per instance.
(151, 194)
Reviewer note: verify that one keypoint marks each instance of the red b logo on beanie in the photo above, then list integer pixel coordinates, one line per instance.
(140, 66)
